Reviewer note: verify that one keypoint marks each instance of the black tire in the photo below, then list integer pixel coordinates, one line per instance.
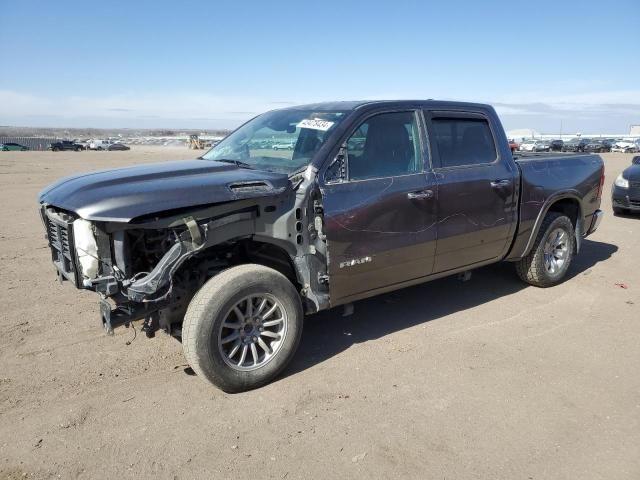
(55, 149)
(531, 269)
(208, 311)
(78, 149)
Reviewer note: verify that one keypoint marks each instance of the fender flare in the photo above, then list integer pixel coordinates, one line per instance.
(549, 202)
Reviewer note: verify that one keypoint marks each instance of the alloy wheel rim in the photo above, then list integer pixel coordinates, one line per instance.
(556, 251)
(252, 332)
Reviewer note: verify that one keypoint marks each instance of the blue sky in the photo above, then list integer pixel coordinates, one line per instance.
(199, 64)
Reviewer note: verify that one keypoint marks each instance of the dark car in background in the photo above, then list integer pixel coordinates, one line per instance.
(597, 146)
(625, 193)
(65, 145)
(13, 147)
(556, 145)
(118, 146)
(575, 145)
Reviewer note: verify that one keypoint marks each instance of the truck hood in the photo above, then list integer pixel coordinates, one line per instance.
(123, 194)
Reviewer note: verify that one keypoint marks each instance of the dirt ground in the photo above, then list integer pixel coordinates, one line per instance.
(449, 380)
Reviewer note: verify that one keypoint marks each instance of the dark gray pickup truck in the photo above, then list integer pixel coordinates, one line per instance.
(229, 251)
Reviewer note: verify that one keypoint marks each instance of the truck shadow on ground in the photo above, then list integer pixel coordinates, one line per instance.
(329, 333)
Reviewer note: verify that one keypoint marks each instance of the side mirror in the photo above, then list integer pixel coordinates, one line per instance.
(337, 171)
(636, 160)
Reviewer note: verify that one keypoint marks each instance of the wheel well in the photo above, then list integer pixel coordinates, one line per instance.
(568, 207)
(271, 256)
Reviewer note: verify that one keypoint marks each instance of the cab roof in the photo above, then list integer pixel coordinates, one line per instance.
(357, 104)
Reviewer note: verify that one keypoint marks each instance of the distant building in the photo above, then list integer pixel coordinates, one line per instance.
(522, 133)
(634, 131)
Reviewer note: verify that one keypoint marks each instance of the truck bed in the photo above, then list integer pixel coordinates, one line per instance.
(542, 175)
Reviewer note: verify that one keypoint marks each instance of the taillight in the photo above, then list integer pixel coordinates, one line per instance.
(601, 186)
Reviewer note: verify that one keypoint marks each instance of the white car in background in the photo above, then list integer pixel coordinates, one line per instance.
(100, 144)
(626, 146)
(282, 146)
(533, 145)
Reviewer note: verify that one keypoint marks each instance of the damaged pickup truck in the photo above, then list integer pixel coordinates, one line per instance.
(230, 251)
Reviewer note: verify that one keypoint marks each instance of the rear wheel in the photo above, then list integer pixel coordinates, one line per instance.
(550, 257)
(243, 327)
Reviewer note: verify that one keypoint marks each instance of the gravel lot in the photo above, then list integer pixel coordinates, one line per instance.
(484, 379)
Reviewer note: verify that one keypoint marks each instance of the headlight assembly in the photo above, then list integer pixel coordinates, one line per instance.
(86, 248)
(621, 182)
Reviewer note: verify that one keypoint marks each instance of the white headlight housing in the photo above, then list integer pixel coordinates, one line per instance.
(86, 247)
(621, 182)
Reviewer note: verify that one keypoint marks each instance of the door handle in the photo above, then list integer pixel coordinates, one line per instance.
(505, 182)
(420, 195)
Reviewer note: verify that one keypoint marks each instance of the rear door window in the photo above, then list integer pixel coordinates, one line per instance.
(463, 141)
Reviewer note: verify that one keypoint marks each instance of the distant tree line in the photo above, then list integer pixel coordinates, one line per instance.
(71, 133)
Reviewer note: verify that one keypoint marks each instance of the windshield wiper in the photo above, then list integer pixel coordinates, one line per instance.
(238, 163)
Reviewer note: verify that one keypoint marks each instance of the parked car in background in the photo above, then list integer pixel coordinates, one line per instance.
(533, 145)
(597, 146)
(229, 251)
(513, 145)
(527, 145)
(556, 145)
(626, 146)
(10, 147)
(65, 145)
(625, 194)
(543, 146)
(118, 146)
(575, 145)
(100, 144)
(282, 146)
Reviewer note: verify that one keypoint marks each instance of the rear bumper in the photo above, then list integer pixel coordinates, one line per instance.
(595, 221)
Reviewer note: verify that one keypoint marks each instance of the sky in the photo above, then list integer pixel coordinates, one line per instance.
(543, 64)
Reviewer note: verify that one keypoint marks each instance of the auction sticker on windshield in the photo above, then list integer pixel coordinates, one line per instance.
(315, 124)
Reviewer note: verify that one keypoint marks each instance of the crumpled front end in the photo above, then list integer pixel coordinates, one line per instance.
(151, 269)
(80, 250)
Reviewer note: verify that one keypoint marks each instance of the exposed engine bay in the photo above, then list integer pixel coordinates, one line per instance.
(152, 266)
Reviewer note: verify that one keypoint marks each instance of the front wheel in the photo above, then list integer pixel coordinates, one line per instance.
(550, 257)
(243, 327)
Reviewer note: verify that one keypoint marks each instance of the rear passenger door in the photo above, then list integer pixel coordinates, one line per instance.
(477, 200)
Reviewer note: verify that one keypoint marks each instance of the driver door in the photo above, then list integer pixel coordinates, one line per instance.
(380, 221)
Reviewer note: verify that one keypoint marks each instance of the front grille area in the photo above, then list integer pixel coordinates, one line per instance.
(59, 229)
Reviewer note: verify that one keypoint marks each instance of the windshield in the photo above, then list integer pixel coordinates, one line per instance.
(281, 141)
